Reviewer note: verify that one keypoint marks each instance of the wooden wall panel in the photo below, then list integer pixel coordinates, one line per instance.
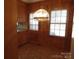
(22, 10)
(10, 34)
(60, 43)
(22, 37)
(22, 13)
(69, 23)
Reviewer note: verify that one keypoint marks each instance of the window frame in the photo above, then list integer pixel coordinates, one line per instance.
(31, 24)
(58, 23)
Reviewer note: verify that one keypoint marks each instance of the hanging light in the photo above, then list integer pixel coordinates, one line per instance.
(41, 15)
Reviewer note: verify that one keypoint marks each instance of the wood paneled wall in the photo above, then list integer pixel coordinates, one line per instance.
(15, 8)
(58, 43)
(22, 13)
(42, 36)
(22, 10)
(10, 37)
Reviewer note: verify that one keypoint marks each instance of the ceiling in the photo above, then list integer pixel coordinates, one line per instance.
(31, 1)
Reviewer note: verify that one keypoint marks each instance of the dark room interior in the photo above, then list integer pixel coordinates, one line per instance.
(38, 29)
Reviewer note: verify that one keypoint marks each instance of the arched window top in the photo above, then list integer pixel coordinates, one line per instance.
(41, 14)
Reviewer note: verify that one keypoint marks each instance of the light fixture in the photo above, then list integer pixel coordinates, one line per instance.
(41, 15)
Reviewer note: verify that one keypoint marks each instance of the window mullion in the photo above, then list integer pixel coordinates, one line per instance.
(58, 22)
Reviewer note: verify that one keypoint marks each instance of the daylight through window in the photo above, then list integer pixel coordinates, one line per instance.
(58, 22)
(33, 23)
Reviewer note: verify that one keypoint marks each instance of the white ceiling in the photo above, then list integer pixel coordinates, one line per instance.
(31, 1)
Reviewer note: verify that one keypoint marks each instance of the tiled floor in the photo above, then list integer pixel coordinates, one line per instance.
(32, 51)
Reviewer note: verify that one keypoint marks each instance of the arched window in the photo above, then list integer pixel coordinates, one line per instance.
(39, 15)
